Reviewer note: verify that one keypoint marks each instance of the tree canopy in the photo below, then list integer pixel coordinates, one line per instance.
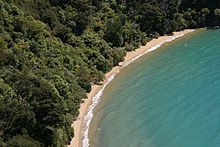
(51, 51)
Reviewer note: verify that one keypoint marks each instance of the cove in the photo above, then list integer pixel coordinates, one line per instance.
(168, 98)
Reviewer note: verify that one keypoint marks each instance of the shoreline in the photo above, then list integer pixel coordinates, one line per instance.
(81, 125)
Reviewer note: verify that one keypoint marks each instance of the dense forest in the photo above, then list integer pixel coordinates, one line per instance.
(51, 51)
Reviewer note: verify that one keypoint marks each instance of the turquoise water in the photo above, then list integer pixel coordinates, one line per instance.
(168, 98)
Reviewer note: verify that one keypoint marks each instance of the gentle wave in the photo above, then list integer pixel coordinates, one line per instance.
(96, 98)
(89, 115)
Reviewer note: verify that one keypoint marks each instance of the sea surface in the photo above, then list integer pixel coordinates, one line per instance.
(167, 98)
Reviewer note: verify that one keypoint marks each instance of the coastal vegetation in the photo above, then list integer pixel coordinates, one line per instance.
(51, 51)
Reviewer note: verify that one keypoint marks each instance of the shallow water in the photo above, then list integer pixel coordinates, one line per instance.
(168, 98)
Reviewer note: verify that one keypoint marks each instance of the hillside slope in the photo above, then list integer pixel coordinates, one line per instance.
(51, 51)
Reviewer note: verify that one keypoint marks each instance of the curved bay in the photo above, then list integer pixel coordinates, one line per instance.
(168, 98)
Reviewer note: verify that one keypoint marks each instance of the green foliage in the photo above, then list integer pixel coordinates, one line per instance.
(23, 141)
(217, 12)
(217, 15)
(51, 51)
(114, 33)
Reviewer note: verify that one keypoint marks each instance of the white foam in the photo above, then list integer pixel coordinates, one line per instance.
(89, 115)
(96, 98)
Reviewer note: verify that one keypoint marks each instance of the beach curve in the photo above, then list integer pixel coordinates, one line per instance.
(81, 125)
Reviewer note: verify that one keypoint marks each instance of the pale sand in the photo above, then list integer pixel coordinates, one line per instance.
(78, 124)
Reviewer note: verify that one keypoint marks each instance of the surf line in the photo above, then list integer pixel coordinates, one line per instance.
(96, 99)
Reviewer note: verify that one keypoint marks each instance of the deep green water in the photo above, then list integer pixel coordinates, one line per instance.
(168, 98)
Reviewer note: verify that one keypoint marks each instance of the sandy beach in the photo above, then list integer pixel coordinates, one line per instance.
(78, 125)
